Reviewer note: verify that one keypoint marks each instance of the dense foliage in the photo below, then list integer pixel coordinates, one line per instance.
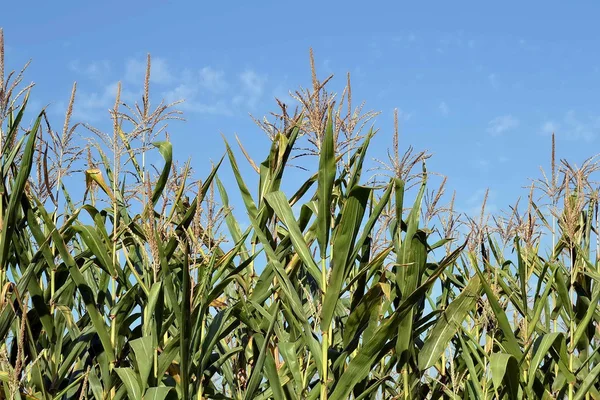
(146, 285)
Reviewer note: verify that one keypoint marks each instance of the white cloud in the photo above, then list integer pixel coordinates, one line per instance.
(208, 91)
(502, 124)
(189, 94)
(549, 127)
(205, 90)
(213, 79)
(252, 82)
(580, 129)
(444, 109)
(253, 86)
(202, 91)
(93, 70)
(180, 92)
(573, 127)
(93, 106)
(160, 73)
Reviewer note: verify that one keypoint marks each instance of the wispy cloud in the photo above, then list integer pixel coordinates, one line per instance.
(406, 39)
(93, 70)
(253, 87)
(190, 93)
(207, 90)
(213, 79)
(573, 127)
(493, 80)
(444, 109)
(549, 127)
(135, 70)
(93, 106)
(502, 124)
(203, 91)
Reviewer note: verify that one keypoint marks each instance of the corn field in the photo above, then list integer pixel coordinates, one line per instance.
(360, 283)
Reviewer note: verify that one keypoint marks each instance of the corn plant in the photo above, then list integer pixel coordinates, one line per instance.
(144, 284)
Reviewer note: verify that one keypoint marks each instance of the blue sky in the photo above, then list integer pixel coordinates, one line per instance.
(479, 85)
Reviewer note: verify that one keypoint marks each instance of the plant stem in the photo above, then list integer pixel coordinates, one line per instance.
(406, 388)
(325, 334)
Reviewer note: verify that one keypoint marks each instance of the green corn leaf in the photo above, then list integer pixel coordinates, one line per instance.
(510, 341)
(325, 185)
(232, 223)
(522, 268)
(101, 250)
(584, 324)
(361, 314)
(370, 352)
(95, 385)
(343, 242)
(187, 219)
(17, 190)
(131, 382)
(586, 385)
(143, 350)
(474, 382)
(213, 335)
(166, 150)
(157, 393)
(358, 159)
(13, 129)
(245, 192)
(82, 285)
(448, 324)
(539, 303)
(289, 354)
(185, 325)
(411, 257)
(283, 210)
(256, 376)
(10, 159)
(542, 348)
(505, 370)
